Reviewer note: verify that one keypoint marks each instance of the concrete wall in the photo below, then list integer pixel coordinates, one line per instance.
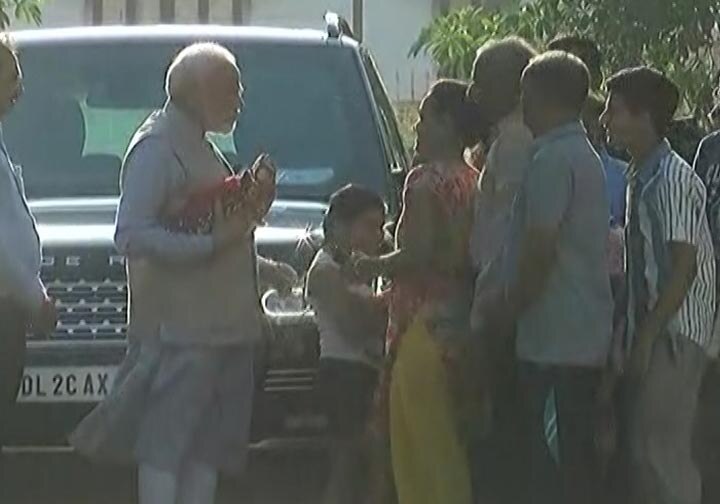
(391, 27)
(296, 14)
(60, 13)
(390, 31)
(113, 11)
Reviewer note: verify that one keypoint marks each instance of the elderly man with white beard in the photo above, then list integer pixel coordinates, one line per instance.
(202, 288)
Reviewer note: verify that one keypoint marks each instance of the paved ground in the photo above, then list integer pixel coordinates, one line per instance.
(66, 479)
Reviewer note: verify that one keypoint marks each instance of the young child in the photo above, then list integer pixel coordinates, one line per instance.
(352, 322)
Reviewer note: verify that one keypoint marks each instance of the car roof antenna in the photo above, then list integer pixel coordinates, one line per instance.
(337, 26)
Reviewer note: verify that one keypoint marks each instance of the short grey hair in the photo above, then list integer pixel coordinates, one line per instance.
(193, 61)
(505, 59)
(561, 78)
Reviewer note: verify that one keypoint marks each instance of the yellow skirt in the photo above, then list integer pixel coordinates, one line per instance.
(430, 464)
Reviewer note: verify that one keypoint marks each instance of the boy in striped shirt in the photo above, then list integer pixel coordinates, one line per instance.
(671, 288)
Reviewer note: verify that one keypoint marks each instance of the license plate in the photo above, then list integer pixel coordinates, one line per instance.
(66, 384)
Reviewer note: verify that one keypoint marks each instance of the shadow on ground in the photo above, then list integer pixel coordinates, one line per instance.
(66, 479)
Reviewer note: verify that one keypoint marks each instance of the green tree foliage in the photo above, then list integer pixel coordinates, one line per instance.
(675, 36)
(24, 10)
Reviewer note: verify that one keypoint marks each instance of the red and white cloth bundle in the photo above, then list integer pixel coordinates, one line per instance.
(251, 192)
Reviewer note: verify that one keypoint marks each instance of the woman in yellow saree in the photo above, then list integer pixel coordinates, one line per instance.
(429, 300)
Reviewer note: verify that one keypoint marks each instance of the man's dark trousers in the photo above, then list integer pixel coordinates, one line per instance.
(577, 477)
(13, 326)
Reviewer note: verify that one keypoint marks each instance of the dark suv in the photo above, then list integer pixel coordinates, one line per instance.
(314, 101)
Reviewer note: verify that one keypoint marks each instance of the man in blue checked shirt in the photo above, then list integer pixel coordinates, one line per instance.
(560, 293)
(615, 169)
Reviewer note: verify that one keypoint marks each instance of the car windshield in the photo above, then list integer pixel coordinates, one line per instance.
(305, 105)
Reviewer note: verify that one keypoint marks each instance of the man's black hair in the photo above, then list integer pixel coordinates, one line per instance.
(585, 49)
(645, 89)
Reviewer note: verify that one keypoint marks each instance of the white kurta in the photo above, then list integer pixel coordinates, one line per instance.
(187, 385)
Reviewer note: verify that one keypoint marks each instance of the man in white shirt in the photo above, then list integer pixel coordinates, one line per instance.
(496, 90)
(207, 312)
(23, 300)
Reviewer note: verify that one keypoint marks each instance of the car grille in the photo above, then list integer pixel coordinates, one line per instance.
(90, 309)
(90, 291)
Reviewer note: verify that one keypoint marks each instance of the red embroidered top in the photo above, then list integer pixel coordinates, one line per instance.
(454, 189)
